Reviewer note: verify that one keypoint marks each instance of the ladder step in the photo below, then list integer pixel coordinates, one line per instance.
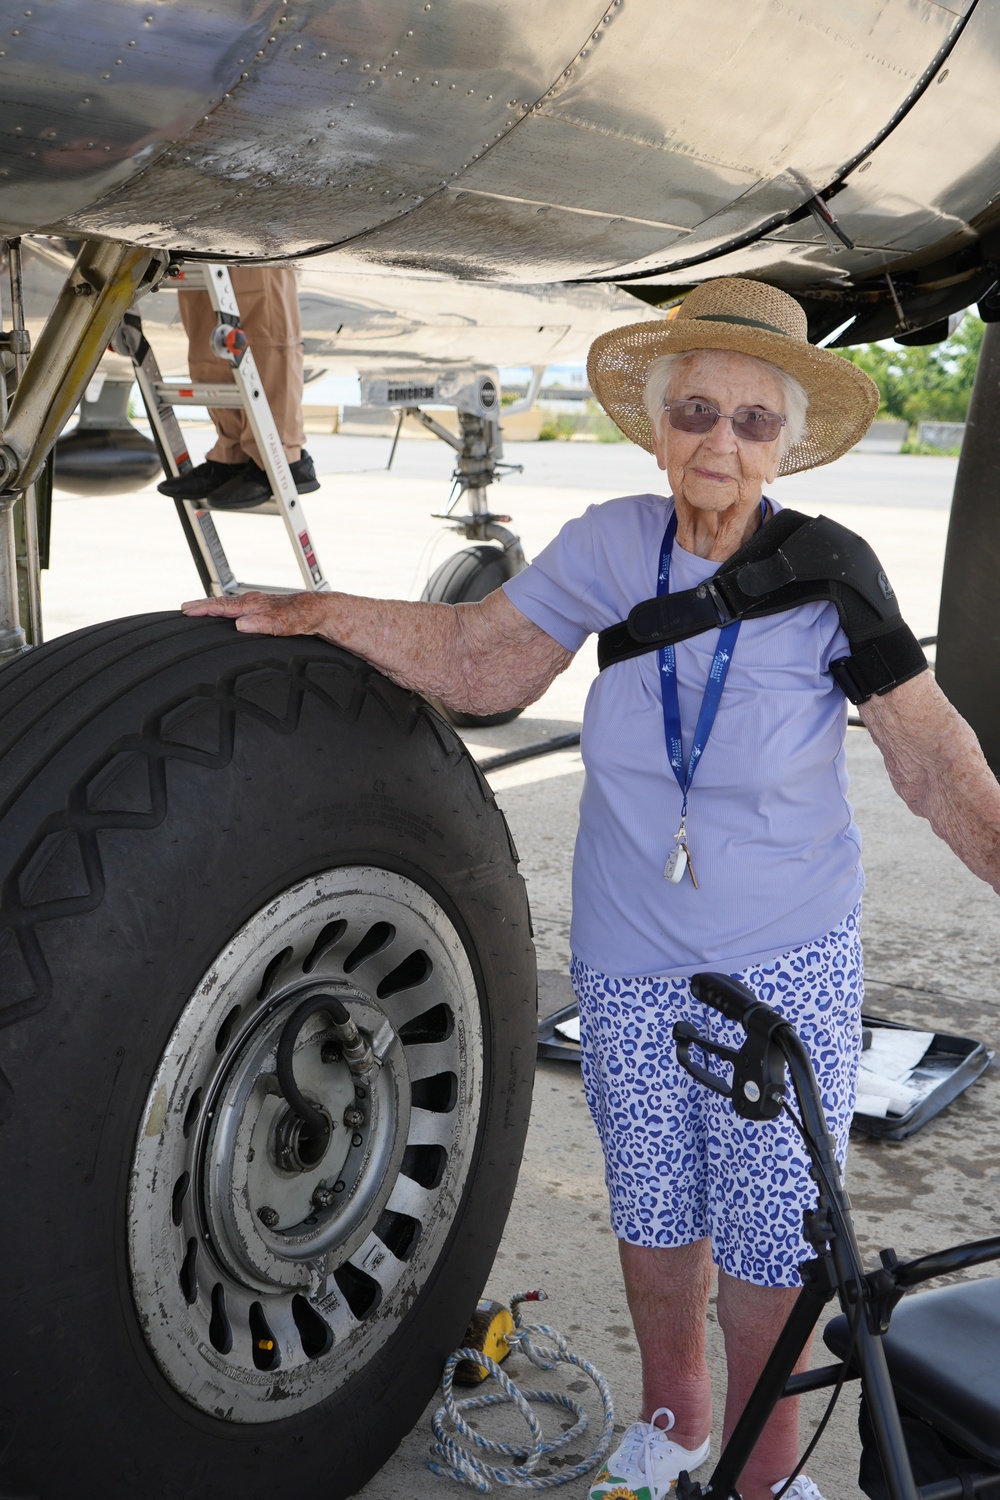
(265, 508)
(245, 391)
(183, 393)
(191, 277)
(265, 588)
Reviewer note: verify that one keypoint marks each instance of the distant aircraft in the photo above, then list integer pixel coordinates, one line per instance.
(265, 977)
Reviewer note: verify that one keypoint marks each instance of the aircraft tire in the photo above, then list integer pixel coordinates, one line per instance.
(465, 578)
(202, 835)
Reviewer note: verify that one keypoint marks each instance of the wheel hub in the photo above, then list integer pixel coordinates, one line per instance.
(262, 1242)
(285, 1204)
(297, 1148)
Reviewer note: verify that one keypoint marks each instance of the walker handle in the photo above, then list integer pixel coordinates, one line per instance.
(733, 999)
(758, 1087)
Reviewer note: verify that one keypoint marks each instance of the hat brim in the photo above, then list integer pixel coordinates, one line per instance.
(843, 400)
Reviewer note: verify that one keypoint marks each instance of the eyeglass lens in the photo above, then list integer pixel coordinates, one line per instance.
(750, 423)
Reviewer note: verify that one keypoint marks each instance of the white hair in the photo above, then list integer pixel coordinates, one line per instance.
(667, 370)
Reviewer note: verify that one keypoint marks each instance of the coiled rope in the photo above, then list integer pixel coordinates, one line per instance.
(468, 1465)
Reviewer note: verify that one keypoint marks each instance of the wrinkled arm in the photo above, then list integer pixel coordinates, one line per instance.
(935, 764)
(478, 659)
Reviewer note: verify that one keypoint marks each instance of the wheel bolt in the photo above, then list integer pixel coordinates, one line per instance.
(322, 1197)
(353, 1118)
(267, 1216)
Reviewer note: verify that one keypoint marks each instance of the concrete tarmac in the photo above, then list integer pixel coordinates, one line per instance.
(931, 928)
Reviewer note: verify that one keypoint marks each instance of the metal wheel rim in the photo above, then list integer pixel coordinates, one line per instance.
(253, 1319)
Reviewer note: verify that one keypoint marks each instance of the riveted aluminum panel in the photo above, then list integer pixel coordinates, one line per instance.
(939, 170)
(675, 130)
(927, 189)
(344, 117)
(753, 87)
(511, 140)
(788, 95)
(95, 91)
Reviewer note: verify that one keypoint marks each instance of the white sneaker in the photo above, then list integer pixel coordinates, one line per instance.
(646, 1464)
(802, 1489)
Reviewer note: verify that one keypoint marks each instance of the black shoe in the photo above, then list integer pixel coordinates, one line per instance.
(304, 474)
(198, 484)
(251, 485)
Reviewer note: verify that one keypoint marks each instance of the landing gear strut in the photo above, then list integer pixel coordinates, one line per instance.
(470, 575)
(968, 647)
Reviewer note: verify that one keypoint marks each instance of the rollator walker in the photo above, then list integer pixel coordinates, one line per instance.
(929, 1367)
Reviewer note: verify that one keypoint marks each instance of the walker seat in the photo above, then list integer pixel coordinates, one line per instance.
(943, 1352)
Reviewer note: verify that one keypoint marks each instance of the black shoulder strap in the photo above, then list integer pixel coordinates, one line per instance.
(792, 560)
(670, 618)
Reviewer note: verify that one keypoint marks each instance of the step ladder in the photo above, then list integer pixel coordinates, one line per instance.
(161, 397)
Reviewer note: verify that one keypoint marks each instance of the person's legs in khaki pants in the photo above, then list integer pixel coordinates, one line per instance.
(269, 316)
(232, 475)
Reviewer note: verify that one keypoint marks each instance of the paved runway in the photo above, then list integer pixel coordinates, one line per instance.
(931, 928)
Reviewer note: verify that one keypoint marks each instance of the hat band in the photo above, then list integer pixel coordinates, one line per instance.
(732, 318)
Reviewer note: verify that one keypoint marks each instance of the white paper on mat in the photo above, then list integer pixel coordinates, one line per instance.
(569, 1029)
(900, 1096)
(894, 1054)
(875, 1105)
(885, 1078)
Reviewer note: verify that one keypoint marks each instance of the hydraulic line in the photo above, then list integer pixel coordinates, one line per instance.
(356, 1051)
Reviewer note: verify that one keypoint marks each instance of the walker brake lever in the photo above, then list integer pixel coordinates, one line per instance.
(687, 1036)
(758, 1086)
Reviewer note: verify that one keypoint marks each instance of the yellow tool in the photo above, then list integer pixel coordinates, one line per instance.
(488, 1330)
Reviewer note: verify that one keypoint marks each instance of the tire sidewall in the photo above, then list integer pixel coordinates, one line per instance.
(234, 836)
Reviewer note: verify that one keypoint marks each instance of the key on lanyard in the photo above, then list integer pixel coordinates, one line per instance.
(679, 860)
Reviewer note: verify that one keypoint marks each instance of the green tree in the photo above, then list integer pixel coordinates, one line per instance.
(929, 383)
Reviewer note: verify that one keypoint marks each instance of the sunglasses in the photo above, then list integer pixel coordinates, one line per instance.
(749, 422)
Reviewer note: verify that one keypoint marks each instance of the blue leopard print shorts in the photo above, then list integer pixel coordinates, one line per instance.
(680, 1163)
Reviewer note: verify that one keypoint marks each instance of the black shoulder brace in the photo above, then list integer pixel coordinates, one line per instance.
(792, 560)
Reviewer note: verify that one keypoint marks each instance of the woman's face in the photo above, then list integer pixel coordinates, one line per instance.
(717, 471)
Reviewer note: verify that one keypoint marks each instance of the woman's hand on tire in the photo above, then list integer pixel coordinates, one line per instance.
(481, 658)
(268, 614)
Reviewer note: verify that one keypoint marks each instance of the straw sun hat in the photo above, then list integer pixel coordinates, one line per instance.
(745, 317)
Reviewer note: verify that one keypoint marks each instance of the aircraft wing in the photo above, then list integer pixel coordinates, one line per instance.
(267, 990)
(375, 319)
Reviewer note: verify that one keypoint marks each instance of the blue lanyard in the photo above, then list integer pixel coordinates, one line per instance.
(668, 684)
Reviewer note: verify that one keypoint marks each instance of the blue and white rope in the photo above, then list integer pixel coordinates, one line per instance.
(469, 1467)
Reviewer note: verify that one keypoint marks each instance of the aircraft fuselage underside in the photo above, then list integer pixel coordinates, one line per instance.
(651, 145)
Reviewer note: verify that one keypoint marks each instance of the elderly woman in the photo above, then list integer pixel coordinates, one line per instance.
(714, 829)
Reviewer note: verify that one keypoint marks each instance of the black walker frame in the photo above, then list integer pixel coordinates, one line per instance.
(758, 1092)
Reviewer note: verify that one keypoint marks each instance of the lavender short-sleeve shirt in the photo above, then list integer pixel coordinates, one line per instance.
(771, 832)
